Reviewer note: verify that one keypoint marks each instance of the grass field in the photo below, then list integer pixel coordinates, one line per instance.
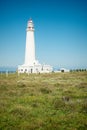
(56, 101)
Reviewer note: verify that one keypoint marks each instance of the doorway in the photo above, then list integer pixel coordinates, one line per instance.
(31, 70)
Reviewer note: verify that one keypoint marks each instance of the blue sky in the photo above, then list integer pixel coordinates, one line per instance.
(60, 31)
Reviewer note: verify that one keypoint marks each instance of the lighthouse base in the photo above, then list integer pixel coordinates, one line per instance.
(35, 68)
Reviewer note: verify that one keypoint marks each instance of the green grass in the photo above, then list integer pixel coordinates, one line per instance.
(56, 101)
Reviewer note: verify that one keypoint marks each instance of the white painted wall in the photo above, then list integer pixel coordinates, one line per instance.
(35, 69)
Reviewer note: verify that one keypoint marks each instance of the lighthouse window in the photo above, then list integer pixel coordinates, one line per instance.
(25, 69)
(21, 69)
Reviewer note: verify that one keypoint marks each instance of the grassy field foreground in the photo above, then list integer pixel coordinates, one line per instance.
(43, 101)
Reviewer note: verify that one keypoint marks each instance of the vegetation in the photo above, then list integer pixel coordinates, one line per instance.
(56, 101)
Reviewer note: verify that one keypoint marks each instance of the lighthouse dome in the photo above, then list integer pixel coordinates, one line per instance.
(30, 20)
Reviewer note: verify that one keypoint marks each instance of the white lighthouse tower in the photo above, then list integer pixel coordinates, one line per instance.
(30, 45)
(31, 65)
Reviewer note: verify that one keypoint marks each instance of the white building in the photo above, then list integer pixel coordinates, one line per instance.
(31, 65)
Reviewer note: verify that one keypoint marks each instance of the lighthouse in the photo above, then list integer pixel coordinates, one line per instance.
(31, 65)
(30, 44)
